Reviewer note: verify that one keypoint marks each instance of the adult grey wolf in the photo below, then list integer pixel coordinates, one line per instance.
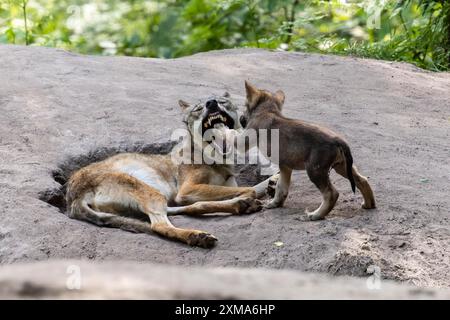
(111, 192)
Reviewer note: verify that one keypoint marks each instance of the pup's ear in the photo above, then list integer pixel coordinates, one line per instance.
(226, 94)
(183, 104)
(279, 95)
(252, 94)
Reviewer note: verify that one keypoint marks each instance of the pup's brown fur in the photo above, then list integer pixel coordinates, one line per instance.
(114, 191)
(304, 146)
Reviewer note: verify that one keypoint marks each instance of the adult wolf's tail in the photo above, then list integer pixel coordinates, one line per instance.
(348, 163)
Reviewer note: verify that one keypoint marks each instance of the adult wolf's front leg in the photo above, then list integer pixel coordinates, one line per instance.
(192, 193)
(204, 198)
(267, 187)
(239, 205)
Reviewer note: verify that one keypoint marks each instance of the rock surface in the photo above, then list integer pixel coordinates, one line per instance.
(55, 104)
(132, 280)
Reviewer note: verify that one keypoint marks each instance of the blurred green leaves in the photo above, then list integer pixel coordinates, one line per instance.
(416, 31)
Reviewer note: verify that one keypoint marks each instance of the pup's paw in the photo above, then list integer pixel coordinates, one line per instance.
(271, 187)
(368, 205)
(202, 239)
(249, 205)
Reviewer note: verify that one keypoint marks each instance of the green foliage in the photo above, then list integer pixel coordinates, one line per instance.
(416, 31)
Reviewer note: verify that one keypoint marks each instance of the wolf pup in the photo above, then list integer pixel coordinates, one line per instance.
(304, 146)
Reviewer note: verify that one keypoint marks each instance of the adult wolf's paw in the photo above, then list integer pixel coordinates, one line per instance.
(202, 239)
(271, 187)
(249, 205)
(314, 215)
(273, 204)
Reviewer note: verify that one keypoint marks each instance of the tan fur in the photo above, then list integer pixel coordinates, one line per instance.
(305, 147)
(119, 190)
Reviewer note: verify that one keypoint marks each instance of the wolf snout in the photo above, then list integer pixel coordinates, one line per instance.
(212, 105)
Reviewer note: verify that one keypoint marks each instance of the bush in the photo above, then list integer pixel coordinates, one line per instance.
(416, 31)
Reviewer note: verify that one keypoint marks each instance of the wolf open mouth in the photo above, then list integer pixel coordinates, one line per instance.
(222, 126)
(216, 117)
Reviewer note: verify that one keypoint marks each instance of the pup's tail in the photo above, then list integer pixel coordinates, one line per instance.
(349, 164)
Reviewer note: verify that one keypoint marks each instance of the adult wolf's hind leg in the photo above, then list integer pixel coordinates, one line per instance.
(82, 211)
(161, 224)
(361, 183)
(330, 195)
(105, 206)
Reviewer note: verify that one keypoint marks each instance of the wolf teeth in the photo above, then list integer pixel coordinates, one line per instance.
(214, 116)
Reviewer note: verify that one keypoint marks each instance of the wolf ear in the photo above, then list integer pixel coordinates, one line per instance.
(252, 94)
(183, 104)
(226, 94)
(279, 95)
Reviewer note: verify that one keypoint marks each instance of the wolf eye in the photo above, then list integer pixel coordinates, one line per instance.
(198, 108)
(227, 104)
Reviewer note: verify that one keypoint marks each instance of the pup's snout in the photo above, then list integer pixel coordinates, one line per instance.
(212, 105)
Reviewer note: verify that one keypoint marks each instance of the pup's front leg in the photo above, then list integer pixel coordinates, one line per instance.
(282, 188)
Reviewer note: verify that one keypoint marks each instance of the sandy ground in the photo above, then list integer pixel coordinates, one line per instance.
(55, 104)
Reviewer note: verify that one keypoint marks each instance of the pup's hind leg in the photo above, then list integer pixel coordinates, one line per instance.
(320, 178)
(361, 183)
(282, 188)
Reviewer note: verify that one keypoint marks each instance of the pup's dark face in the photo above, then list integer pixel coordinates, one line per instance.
(258, 97)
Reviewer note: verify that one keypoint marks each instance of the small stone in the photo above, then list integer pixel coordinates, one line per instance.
(278, 243)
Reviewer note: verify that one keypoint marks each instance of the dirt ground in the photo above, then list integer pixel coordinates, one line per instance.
(55, 104)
